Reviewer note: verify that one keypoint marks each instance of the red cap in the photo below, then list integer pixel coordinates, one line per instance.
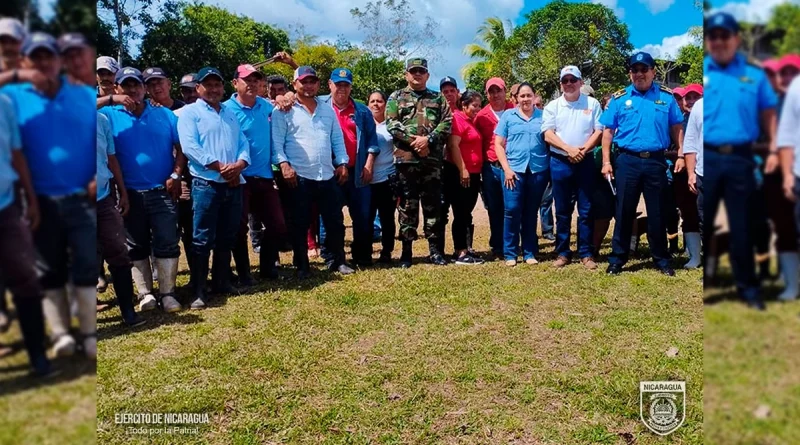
(680, 91)
(771, 65)
(693, 88)
(789, 60)
(495, 82)
(245, 70)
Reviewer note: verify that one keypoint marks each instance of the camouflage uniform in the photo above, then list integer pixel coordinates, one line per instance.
(418, 113)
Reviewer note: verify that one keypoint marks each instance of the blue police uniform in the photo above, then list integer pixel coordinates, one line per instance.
(731, 123)
(641, 121)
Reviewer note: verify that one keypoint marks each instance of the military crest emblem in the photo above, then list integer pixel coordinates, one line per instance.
(342, 73)
(662, 406)
(639, 57)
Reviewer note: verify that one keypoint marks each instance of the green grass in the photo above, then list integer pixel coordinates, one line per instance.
(456, 354)
(751, 359)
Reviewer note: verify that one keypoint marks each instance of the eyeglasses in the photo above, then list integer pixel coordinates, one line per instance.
(640, 70)
(569, 80)
(416, 71)
(718, 36)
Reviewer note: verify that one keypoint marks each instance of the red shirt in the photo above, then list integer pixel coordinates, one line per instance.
(485, 122)
(470, 145)
(348, 123)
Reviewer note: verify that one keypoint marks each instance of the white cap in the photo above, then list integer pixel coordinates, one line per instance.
(107, 63)
(12, 28)
(570, 70)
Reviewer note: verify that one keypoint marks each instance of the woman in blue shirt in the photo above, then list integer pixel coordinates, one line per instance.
(523, 156)
(383, 200)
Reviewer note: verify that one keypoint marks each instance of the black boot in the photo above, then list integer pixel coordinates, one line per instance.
(267, 258)
(31, 323)
(470, 237)
(123, 288)
(436, 253)
(673, 246)
(405, 257)
(199, 276)
(242, 258)
(221, 273)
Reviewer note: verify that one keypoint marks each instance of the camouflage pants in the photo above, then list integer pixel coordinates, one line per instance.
(414, 183)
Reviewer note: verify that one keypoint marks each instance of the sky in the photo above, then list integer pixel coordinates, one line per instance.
(754, 11)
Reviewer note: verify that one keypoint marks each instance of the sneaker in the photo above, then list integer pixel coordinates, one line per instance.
(549, 237)
(437, 259)
(468, 260)
(102, 284)
(135, 322)
(561, 261)
(147, 303)
(589, 263)
(64, 346)
(511, 263)
(344, 269)
(170, 304)
(256, 249)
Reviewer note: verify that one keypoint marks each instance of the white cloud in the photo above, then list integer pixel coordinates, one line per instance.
(754, 11)
(668, 48)
(614, 6)
(657, 6)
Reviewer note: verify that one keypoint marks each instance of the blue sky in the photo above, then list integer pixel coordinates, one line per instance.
(757, 11)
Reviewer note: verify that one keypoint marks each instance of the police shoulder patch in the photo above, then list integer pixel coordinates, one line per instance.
(619, 93)
(665, 89)
(754, 62)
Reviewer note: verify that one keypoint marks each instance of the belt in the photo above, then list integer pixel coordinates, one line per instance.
(154, 189)
(727, 149)
(495, 164)
(658, 154)
(80, 194)
(559, 156)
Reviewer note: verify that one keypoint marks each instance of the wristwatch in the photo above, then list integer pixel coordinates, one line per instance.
(430, 139)
(174, 176)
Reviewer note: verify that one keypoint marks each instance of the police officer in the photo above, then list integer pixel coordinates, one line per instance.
(419, 121)
(733, 83)
(640, 120)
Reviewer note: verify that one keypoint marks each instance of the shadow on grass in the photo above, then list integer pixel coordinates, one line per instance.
(71, 368)
(724, 287)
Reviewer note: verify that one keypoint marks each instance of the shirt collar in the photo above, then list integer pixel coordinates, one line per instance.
(209, 107)
(738, 59)
(235, 102)
(633, 89)
(533, 115)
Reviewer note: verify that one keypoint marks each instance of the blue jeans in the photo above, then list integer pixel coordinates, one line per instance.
(328, 197)
(493, 192)
(152, 225)
(217, 210)
(67, 241)
(358, 201)
(546, 210)
(521, 212)
(573, 179)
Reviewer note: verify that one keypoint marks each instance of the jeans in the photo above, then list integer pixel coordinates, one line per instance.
(67, 241)
(328, 197)
(358, 201)
(217, 210)
(567, 180)
(383, 208)
(521, 212)
(493, 192)
(463, 200)
(546, 210)
(152, 224)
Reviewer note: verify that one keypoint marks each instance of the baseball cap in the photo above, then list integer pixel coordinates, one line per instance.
(771, 64)
(72, 40)
(154, 73)
(245, 70)
(789, 60)
(447, 79)
(643, 58)
(304, 71)
(39, 40)
(416, 62)
(570, 70)
(128, 72)
(721, 20)
(693, 88)
(587, 90)
(341, 75)
(208, 71)
(189, 80)
(12, 28)
(107, 63)
(680, 91)
(495, 82)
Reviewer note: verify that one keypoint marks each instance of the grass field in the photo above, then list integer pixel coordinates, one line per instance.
(456, 354)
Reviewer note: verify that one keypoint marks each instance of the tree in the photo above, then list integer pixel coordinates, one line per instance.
(493, 38)
(124, 13)
(75, 16)
(691, 55)
(377, 73)
(394, 30)
(786, 17)
(751, 33)
(583, 34)
(23, 10)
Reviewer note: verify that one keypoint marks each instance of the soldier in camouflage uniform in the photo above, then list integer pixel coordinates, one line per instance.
(419, 121)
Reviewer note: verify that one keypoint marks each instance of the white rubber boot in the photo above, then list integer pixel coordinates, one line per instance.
(87, 315)
(167, 272)
(692, 242)
(143, 278)
(56, 311)
(790, 268)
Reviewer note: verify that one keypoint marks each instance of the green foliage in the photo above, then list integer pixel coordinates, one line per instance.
(377, 73)
(491, 54)
(75, 16)
(786, 17)
(477, 75)
(691, 55)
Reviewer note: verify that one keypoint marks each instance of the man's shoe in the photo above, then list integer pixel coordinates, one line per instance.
(135, 322)
(468, 260)
(42, 369)
(667, 271)
(147, 303)
(385, 258)
(344, 269)
(588, 262)
(170, 304)
(102, 284)
(437, 259)
(549, 237)
(561, 261)
(198, 303)
(246, 280)
(64, 346)
(269, 274)
(511, 263)
(614, 269)
(756, 303)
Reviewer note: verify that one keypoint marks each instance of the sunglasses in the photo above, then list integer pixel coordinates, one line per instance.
(569, 80)
(642, 70)
(416, 71)
(718, 36)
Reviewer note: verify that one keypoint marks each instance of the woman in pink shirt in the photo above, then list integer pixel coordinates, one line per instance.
(461, 175)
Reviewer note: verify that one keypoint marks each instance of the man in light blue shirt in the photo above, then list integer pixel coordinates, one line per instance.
(309, 149)
(58, 130)
(145, 139)
(259, 195)
(218, 152)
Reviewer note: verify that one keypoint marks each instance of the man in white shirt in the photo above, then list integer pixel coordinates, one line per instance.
(788, 146)
(693, 155)
(571, 125)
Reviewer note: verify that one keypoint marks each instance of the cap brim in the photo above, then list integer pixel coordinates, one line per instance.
(155, 76)
(202, 79)
(448, 83)
(49, 48)
(188, 85)
(76, 45)
(641, 63)
(569, 74)
(305, 76)
(107, 69)
(412, 67)
(128, 76)
(728, 28)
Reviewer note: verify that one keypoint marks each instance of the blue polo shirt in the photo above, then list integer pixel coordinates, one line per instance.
(57, 135)
(105, 147)
(144, 144)
(9, 140)
(525, 147)
(735, 95)
(642, 120)
(258, 131)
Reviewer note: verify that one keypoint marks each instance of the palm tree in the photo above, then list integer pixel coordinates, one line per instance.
(492, 36)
